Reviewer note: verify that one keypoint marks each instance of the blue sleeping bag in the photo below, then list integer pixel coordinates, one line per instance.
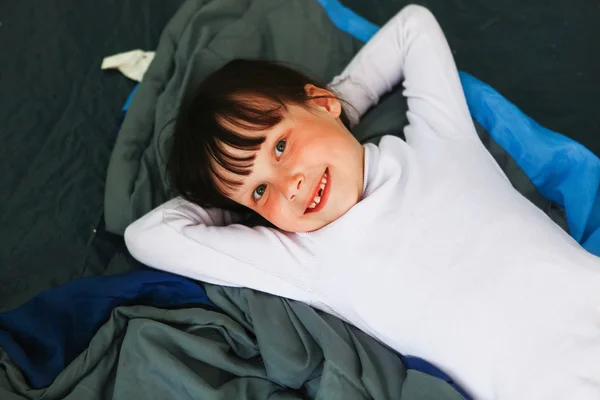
(564, 171)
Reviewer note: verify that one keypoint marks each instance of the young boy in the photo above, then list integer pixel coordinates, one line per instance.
(423, 244)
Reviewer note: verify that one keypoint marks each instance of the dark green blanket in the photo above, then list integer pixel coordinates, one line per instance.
(260, 347)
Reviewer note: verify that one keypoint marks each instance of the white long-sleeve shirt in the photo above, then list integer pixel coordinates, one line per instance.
(441, 259)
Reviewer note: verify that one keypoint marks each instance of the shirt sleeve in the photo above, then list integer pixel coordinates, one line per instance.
(209, 245)
(413, 48)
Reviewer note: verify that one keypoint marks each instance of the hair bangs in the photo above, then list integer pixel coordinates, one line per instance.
(238, 116)
(223, 161)
(252, 112)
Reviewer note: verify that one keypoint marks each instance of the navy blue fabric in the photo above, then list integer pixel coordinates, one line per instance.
(418, 364)
(45, 334)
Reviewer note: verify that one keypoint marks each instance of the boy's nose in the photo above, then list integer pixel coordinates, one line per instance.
(292, 186)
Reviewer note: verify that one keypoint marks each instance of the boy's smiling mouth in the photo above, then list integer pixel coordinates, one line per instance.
(319, 197)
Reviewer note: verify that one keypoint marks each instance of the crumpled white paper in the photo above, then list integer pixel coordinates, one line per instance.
(133, 64)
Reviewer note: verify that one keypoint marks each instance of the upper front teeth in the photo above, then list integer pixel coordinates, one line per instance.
(317, 198)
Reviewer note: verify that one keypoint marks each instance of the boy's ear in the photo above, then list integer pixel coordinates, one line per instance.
(324, 100)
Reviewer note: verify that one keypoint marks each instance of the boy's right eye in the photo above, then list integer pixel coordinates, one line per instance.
(259, 191)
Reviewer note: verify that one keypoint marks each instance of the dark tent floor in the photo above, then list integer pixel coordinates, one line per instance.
(59, 110)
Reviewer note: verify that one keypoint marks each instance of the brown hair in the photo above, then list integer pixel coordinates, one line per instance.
(246, 94)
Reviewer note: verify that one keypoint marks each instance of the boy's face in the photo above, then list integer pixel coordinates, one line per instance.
(307, 173)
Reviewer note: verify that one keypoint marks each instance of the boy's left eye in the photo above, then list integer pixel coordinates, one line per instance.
(280, 147)
(259, 191)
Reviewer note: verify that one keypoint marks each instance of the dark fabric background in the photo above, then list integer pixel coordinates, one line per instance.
(59, 111)
(58, 119)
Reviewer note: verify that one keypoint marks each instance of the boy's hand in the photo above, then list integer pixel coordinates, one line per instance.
(353, 93)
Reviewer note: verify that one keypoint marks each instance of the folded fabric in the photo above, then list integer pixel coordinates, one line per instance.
(259, 347)
(133, 64)
(45, 334)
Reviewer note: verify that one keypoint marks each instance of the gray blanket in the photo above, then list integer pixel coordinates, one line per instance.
(259, 347)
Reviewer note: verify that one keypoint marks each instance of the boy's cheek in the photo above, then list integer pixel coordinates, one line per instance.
(273, 211)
